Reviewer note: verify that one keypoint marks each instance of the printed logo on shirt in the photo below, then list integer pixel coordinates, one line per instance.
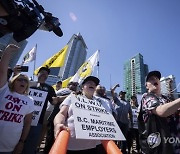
(11, 111)
(154, 140)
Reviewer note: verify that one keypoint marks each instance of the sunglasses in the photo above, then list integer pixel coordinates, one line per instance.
(22, 80)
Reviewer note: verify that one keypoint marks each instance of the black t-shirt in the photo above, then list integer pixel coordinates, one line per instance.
(152, 128)
(51, 93)
(61, 92)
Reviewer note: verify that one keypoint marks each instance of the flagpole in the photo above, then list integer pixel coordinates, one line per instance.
(110, 82)
(35, 62)
(98, 69)
(98, 65)
(34, 68)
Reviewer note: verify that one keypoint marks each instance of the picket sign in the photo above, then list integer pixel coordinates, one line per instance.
(92, 112)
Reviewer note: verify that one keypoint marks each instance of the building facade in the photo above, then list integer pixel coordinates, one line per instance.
(135, 72)
(76, 55)
(168, 86)
(8, 39)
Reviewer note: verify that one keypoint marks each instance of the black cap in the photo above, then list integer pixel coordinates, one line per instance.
(73, 83)
(91, 78)
(153, 73)
(44, 68)
(59, 81)
(122, 92)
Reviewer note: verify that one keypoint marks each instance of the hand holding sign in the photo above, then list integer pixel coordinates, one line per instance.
(58, 128)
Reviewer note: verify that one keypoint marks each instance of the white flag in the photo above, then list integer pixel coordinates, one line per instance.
(86, 69)
(30, 56)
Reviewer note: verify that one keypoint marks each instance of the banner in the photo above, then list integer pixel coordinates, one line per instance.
(65, 82)
(30, 56)
(56, 60)
(39, 99)
(86, 69)
(93, 120)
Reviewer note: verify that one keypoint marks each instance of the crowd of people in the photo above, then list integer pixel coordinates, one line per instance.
(142, 123)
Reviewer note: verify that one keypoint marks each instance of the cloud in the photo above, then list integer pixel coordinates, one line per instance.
(73, 16)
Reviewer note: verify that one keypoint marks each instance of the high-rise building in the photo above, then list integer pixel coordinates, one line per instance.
(8, 39)
(168, 86)
(76, 55)
(135, 72)
(178, 94)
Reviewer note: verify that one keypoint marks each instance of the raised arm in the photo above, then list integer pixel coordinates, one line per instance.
(3, 12)
(58, 99)
(167, 109)
(113, 89)
(4, 62)
(60, 119)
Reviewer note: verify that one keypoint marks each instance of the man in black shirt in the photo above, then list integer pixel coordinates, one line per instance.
(61, 95)
(153, 117)
(35, 131)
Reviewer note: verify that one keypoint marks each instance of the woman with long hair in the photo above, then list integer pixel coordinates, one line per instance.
(16, 107)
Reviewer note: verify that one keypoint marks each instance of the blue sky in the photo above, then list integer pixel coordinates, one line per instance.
(119, 29)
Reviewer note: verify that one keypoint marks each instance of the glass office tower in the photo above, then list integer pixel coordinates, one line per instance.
(135, 72)
(76, 55)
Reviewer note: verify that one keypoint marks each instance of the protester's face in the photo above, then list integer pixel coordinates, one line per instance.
(133, 101)
(73, 86)
(89, 88)
(153, 84)
(122, 95)
(58, 86)
(100, 90)
(42, 75)
(20, 84)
